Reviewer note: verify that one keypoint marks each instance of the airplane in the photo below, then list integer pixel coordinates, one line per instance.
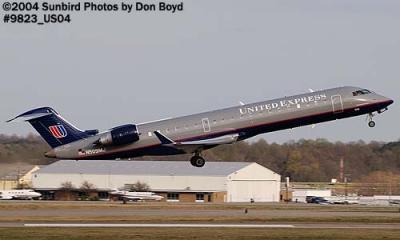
(198, 132)
(136, 196)
(19, 194)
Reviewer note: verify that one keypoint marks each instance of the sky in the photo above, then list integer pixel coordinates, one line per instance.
(107, 69)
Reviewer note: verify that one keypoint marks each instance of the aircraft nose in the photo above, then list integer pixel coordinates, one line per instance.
(384, 101)
(387, 101)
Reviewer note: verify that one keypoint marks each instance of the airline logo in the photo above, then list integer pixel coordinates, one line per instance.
(58, 131)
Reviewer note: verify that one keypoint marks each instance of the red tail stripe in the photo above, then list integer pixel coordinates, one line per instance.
(54, 131)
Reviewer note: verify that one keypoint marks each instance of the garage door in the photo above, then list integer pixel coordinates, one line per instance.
(260, 191)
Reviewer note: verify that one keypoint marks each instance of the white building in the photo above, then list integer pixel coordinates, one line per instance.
(176, 180)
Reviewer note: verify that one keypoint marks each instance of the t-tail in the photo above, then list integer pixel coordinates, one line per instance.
(54, 129)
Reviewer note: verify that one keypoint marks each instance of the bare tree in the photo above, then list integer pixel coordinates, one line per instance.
(139, 187)
(87, 186)
(67, 186)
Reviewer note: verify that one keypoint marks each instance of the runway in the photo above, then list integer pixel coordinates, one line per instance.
(163, 225)
(202, 225)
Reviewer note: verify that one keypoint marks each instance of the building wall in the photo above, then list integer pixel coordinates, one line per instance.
(66, 195)
(8, 184)
(219, 197)
(17, 180)
(26, 179)
(253, 182)
(156, 183)
(74, 195)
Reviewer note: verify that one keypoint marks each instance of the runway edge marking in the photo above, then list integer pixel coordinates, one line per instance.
(158, 225)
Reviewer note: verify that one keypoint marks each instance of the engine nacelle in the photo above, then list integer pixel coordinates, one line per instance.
(121, 135)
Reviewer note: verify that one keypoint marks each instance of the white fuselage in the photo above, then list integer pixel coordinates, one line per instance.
(138, 195)
(19, 194)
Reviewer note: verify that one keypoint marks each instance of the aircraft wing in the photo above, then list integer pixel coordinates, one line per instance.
(134, 198)
(6, 197)
(191, 146)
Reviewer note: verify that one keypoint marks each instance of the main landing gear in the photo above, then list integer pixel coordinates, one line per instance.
(197, 160)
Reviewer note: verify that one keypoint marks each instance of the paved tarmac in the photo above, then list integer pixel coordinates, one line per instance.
(56, 214)
(195, 213)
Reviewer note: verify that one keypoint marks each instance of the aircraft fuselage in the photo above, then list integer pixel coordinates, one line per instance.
(243, 121)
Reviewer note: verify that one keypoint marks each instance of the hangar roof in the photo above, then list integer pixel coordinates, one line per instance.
(159, 168)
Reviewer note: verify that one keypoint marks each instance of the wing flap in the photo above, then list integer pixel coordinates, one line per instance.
(226, 139)
(192, 146)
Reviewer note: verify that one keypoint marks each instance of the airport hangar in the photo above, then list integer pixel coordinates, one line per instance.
(176, 181)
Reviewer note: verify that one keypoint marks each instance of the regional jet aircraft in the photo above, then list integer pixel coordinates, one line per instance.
(195, 133)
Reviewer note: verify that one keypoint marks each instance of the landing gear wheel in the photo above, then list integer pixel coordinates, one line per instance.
(371, 124)
(197, 161)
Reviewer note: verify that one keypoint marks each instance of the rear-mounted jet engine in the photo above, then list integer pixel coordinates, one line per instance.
(120, 135)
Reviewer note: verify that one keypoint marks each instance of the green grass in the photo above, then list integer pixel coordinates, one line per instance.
(200, 219)
(193, 233)
(32, 205)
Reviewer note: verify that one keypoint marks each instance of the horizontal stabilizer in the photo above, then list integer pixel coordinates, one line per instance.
(34, 114)
(30, 116)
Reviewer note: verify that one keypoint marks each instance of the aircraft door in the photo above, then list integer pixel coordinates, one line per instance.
(337, 104)
(206, 124)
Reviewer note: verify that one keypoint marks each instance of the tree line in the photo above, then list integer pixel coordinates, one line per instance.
(303, 160)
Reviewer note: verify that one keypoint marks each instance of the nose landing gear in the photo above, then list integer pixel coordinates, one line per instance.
(371, 123)
(369, 119)
(197, 160)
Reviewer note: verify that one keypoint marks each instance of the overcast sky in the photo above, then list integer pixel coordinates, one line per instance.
(108, 69)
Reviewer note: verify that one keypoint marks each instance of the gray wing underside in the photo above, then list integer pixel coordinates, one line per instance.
(133, 198)
(6, 197)
(193, 146)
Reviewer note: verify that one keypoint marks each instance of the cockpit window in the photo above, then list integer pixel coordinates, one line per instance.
(361, 92)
